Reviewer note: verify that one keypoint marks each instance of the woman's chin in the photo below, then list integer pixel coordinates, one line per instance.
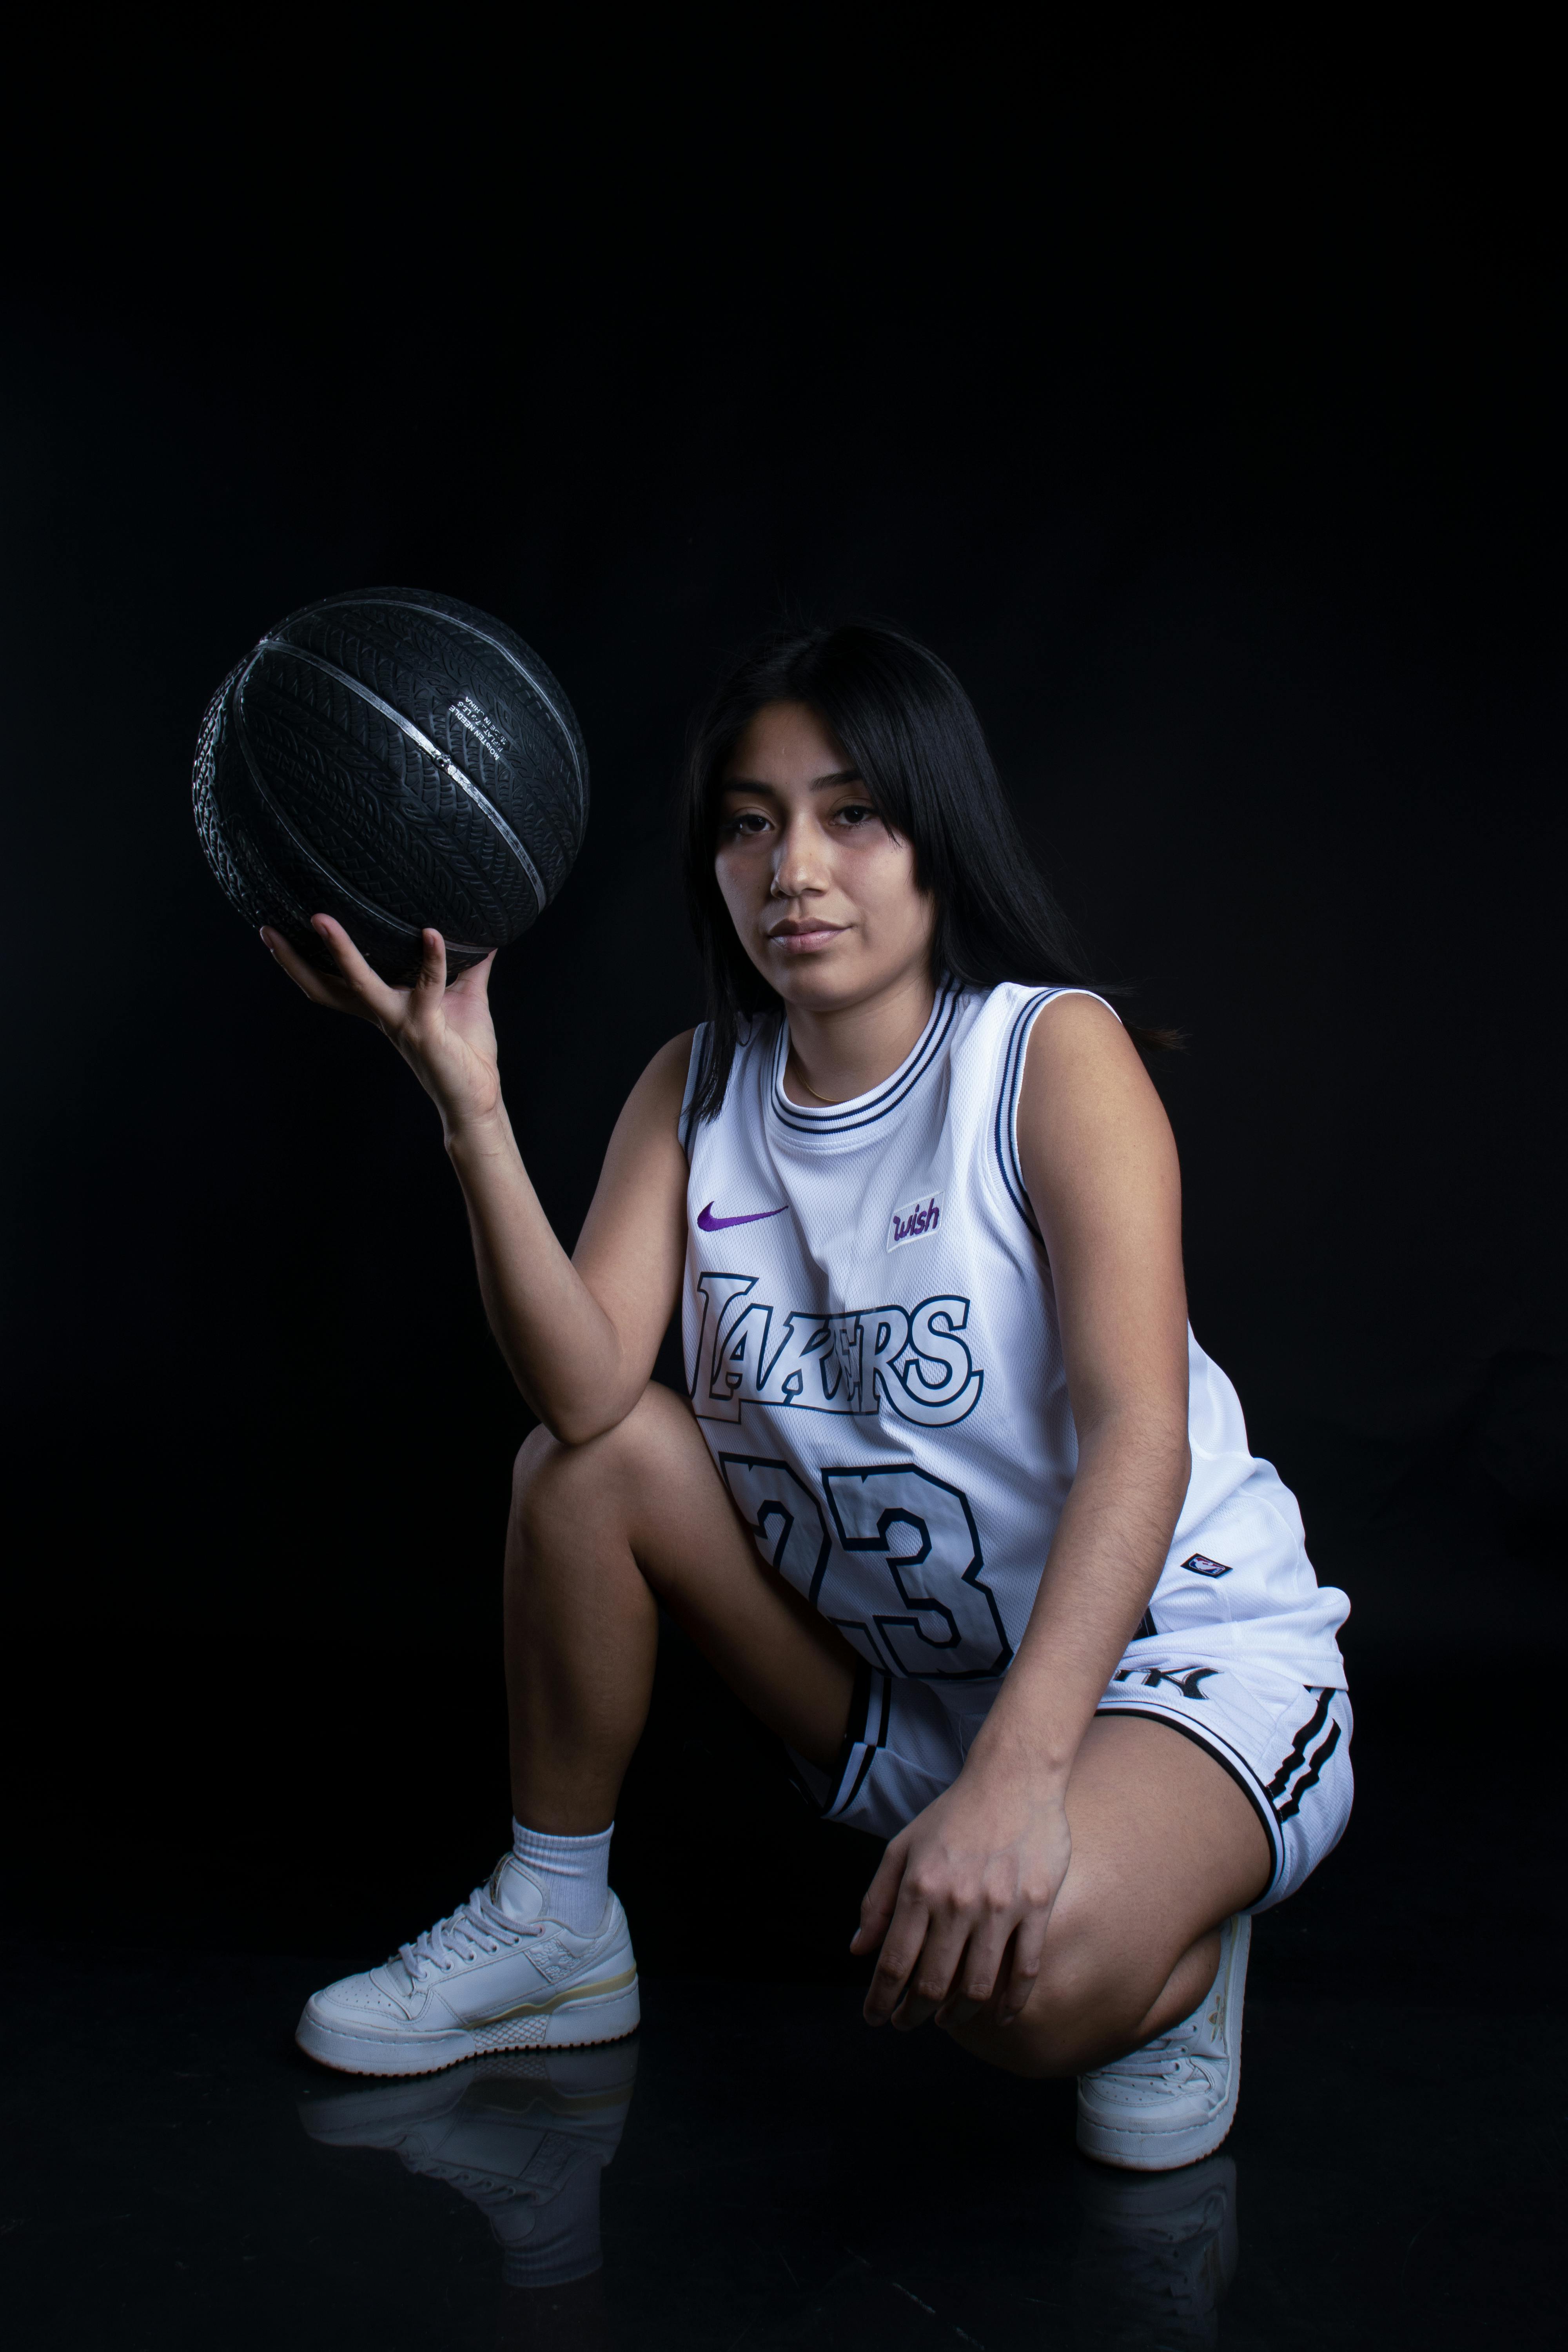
(814, 989)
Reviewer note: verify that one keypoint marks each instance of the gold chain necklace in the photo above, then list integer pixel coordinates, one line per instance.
(828, 1101)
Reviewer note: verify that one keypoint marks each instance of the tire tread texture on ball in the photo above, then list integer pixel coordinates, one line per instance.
(309, 798)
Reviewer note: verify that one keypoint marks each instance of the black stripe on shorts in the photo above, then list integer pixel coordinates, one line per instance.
(1309, 1780)
(858, 1732)
(1298, 1755)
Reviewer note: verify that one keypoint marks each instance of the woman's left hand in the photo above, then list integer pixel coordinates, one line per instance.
(962, 1899)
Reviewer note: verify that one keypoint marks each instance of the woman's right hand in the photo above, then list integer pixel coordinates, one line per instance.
(445, 1034)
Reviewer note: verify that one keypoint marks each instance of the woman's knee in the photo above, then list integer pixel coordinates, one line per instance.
(551, 1480)
(1080, 2014)
(1087, 2005)
(555, 1486)
(571, 1517)
(542, 1468)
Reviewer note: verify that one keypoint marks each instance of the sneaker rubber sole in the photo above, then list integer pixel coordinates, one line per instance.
(574, 2020)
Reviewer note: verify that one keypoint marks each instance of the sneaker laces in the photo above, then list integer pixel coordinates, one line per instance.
(1161, 2060)
(478, 1926)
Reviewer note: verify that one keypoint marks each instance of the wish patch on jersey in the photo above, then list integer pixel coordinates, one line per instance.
(913, 1219)
(873, 1356)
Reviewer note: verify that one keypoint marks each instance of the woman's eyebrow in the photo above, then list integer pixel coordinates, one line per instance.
(818, 784)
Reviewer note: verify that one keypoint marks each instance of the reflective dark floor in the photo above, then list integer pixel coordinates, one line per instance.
(754, 2169)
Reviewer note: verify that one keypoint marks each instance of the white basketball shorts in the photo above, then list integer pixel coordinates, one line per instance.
(1287, 1748)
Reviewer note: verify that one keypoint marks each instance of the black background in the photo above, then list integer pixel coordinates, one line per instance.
(1199, 404)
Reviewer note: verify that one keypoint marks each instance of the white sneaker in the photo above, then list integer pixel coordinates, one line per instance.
(497, 1975)
(1174, 2100)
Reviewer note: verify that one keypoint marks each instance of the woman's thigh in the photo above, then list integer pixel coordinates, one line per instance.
(1164, 1848)
(646, 1497)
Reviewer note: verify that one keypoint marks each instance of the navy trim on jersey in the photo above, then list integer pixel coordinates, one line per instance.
(832, 1120)
(1006, 1126)
(1007, 1106)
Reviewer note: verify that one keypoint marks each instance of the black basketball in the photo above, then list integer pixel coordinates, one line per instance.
(397, 759)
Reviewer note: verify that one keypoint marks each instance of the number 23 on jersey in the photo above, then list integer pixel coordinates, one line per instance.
(939, 1620)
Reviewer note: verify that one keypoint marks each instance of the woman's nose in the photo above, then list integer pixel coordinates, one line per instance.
(798, 867)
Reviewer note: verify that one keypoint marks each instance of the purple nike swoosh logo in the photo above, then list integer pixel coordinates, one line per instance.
(708, 1223)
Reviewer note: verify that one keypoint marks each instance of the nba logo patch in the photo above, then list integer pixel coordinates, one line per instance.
(1201, 1565)
(913, 1219)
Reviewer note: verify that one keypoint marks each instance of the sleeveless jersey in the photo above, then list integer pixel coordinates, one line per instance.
(872, 1352)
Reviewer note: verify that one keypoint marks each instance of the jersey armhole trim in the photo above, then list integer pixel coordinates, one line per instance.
(693, 1066)
(1005, 1133)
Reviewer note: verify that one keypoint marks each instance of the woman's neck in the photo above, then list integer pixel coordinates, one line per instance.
(837, 1054)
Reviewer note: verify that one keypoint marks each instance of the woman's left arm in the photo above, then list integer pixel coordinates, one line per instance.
(962, 1902)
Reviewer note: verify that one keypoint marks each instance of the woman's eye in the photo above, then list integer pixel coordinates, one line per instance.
(747, 821)
(857, 814)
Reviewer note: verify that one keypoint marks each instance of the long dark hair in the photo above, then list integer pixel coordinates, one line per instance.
(912, 732)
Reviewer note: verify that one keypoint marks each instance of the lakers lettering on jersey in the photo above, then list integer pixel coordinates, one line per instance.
(911, 1359)
(873, 1355)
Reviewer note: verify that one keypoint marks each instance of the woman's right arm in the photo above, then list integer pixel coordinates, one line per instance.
(579, 1334)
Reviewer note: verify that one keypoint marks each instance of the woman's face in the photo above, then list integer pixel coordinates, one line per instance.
(821, 892)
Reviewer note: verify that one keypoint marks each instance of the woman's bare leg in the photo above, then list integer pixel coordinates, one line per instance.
(1164, 1848)
(600, 1534)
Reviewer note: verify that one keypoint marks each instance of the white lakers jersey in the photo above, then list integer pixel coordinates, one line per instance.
(873, 1355)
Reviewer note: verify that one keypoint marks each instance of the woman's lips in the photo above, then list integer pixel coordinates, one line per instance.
(801, 943)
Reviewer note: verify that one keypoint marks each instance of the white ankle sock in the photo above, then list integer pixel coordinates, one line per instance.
(572, 1874)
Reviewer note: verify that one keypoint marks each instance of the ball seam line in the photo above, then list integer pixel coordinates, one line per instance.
(453, 620)
(329, 874)
(447, 765)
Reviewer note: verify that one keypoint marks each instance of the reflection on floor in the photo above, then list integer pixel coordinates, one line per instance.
(1158, 2252)
(755, 2172)
(526, 2136)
